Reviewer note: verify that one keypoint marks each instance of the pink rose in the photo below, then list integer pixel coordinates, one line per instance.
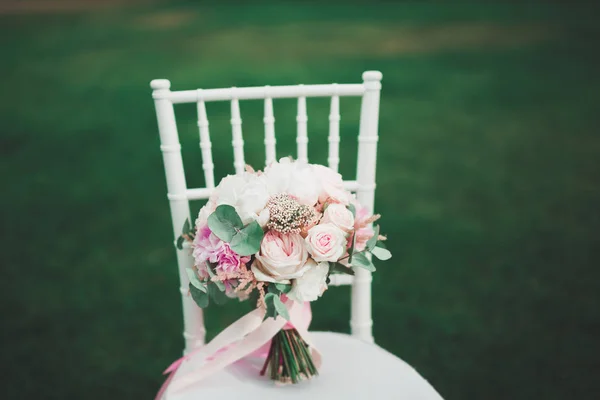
(228, 260)
(281, 257)
(206, 246)
(326, 242)
(340, 216)
(332, 185)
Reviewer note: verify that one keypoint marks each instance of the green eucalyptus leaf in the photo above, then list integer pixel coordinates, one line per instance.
(219, 284)
(280, 308)
(270, 311)
(200, 297)
(381, 243)
(351, 249)
(373, 241)
(282, 287)
(247, 240)
(352, 209)
(194, 280)
(225, 222)
(180, 241)
(382, 254)
(273, 289)
(337, 268)
(275, 307)
(218, 296)
(361, 260)
(186, 227)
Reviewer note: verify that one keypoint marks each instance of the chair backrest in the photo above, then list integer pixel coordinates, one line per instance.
(179, 194)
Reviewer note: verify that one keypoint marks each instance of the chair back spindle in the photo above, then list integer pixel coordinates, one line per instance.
(334, 134)
(302, 137)
(205, 145)
(269, 121)
(179, 195)
(238, 141)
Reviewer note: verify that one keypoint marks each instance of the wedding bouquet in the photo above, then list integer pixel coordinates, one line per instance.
(276, 236)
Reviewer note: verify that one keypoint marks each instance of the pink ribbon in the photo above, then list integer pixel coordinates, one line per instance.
(249, 335)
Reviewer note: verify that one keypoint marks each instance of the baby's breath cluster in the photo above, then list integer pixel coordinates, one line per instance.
(287, 215)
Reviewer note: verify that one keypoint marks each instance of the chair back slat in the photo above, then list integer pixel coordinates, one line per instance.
(179, 195)
(205, 145)
(301, 135)
(269, 121)
(238, 141)
(258, 92)
(334, 134)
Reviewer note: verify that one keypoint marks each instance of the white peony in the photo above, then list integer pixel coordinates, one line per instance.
(204, 213)
(331, 185)
(281, 258)
(294, 178)
(340, 216)
(247, 193)
(326, 242)
(311, 285)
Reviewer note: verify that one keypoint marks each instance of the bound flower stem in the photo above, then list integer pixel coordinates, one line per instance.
(289, 359)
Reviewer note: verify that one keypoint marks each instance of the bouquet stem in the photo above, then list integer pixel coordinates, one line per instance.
(289, 359)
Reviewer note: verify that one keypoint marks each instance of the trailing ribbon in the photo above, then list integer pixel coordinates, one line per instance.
(249, 334)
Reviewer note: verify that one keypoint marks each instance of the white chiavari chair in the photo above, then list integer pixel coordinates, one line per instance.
(353, 367)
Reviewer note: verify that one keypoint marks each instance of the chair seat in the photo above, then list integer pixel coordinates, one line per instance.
(352, 369)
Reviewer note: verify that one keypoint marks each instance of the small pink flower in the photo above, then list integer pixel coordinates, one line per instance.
(228, 260)
(207, 246)
(363, 230)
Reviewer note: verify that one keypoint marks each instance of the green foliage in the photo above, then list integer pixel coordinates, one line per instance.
(217, 295)
(340, 269)
(225, 222)
(186, 227)
(373, 240)
(382, 254)
(351, 249)
(282, 287)
(227, 225)
(275, 307)
(361, 260)
(199, 296)
(194, 280)
(247, 240)
(211, 273)
(180, 241)
(185, 231)
(352, 209)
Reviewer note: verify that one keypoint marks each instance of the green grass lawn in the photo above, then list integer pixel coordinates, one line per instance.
(488, 181)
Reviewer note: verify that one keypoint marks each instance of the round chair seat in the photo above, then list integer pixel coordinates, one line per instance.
(352, 369)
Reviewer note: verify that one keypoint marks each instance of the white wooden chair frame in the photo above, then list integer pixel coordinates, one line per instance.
(344, 373)
(179, 194)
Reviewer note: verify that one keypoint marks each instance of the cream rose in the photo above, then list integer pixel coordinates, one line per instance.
(326, 242)
(281, 258)
(312, 284)
(340, 216)
(332, 185)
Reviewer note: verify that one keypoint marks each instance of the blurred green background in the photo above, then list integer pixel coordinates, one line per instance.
(488, 175)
